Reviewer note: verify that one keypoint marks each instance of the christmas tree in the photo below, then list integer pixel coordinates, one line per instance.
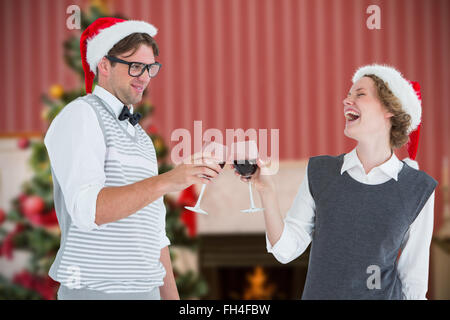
(32, 215)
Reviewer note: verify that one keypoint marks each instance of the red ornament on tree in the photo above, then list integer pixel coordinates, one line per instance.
(188, 198)
(23, 143)
(7, 246)
(49, 219)
(22, 198)
(44, 286)
(32, 208)
(2, 216)
(152, 129)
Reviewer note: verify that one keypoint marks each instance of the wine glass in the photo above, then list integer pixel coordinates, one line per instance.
(245, 157)
(217, 151)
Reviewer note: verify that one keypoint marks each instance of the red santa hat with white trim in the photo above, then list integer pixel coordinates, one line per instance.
(100, 36)
(408, 92)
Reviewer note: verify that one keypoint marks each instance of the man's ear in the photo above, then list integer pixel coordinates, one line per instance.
(104, 67)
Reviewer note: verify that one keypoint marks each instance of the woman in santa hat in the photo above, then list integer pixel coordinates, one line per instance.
(367, 215)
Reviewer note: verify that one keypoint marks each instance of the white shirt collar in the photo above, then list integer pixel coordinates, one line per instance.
(390, 168)
(110, 99)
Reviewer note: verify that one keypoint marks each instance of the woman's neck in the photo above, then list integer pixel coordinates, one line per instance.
(373, 154)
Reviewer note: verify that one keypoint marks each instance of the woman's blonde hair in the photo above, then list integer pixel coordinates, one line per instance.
(400, 120)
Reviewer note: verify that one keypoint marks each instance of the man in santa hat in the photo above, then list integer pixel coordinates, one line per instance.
(108, 194)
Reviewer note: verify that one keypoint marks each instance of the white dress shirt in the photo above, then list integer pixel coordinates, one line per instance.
(414, 260)
(77, 149)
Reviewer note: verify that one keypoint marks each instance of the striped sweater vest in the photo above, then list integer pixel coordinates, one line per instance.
(121, 256)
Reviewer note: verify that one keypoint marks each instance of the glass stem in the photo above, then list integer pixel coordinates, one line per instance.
(252, 204)
(200, 196)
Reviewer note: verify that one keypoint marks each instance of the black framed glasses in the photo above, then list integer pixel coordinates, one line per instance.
(136, 69)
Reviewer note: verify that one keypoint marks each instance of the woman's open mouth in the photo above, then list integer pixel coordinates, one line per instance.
(351, 115)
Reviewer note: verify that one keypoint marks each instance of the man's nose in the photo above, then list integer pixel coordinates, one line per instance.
(144, 77)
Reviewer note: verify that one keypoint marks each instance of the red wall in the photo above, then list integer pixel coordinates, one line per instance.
(281, 64)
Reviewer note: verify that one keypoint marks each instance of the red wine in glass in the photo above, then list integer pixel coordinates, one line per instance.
(245, 168)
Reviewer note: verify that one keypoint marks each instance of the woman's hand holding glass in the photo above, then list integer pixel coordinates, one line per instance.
(262, 178)
(245, 162)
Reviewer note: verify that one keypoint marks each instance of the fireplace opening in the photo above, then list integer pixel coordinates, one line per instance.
(238, 267)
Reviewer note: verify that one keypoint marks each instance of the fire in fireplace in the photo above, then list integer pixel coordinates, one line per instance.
(258, 285)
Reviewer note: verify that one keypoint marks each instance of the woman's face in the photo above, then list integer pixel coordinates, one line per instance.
(365, 116)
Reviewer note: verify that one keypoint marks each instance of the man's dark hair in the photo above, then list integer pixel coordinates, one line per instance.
(133, 42)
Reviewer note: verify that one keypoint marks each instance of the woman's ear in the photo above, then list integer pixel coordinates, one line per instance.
(388, 115)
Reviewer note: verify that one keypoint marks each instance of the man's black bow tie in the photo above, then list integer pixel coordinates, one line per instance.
(133, 118)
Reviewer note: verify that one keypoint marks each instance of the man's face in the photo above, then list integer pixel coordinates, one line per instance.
(126, 88)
